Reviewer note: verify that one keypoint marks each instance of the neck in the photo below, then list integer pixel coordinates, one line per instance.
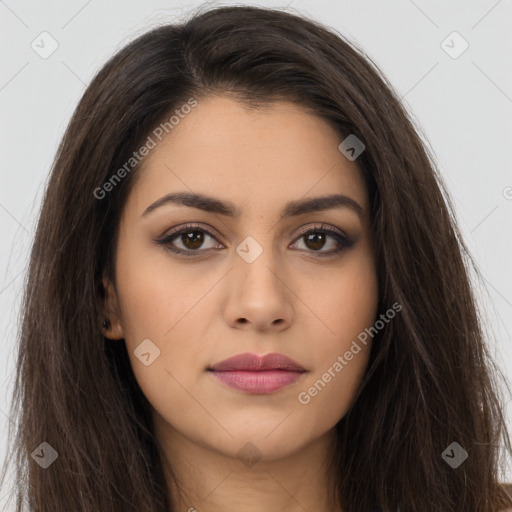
(207, 480)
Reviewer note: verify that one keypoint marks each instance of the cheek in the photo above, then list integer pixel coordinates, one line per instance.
(348, 307)
(346, 301)
(162, 305)
(155, 298)
(327, 396)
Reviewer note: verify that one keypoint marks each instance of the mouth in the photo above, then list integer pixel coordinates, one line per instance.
(257, 375)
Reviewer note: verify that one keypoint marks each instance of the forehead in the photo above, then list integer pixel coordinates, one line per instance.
(222, 148)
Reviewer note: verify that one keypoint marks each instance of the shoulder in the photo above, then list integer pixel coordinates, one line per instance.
(508, 490)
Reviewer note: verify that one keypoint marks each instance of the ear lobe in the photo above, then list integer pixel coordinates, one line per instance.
(111, 325)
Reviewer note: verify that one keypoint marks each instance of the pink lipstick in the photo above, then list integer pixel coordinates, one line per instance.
(257, 375)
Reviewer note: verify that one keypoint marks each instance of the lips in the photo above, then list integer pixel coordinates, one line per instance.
(257, 375)
(252, 362)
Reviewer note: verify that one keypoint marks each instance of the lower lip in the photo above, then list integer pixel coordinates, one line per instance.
(257, 382)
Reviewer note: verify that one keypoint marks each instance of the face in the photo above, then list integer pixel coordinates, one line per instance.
(197, 284)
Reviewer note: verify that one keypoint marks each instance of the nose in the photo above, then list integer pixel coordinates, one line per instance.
(259, 296)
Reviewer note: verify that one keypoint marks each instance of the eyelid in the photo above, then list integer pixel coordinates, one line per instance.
(301, 231)
(167, 237)
(321, 226)
(191, 226)
(343, 240)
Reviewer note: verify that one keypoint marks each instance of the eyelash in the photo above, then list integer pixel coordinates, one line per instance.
(343, 241)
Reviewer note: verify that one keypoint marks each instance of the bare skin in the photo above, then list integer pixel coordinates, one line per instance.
(199, 310)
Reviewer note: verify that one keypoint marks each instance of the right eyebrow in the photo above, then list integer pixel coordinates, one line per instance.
(227, 208)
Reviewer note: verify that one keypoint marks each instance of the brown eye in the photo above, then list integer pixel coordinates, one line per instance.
(315, 240)
(188, 241)
(192, 239)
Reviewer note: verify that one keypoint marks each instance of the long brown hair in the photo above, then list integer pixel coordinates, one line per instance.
(430, 380)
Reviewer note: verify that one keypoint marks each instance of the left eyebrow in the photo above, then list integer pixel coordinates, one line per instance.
(229, 209)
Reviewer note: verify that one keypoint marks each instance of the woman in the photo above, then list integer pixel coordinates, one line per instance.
(248, 291)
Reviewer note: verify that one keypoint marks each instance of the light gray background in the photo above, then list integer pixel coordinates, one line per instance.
(463, 105)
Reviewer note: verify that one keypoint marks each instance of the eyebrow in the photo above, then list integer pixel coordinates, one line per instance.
(229, 209)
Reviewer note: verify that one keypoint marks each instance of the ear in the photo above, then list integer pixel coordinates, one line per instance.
(114, 331)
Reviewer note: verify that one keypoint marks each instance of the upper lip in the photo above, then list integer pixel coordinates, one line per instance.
(253, 362)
